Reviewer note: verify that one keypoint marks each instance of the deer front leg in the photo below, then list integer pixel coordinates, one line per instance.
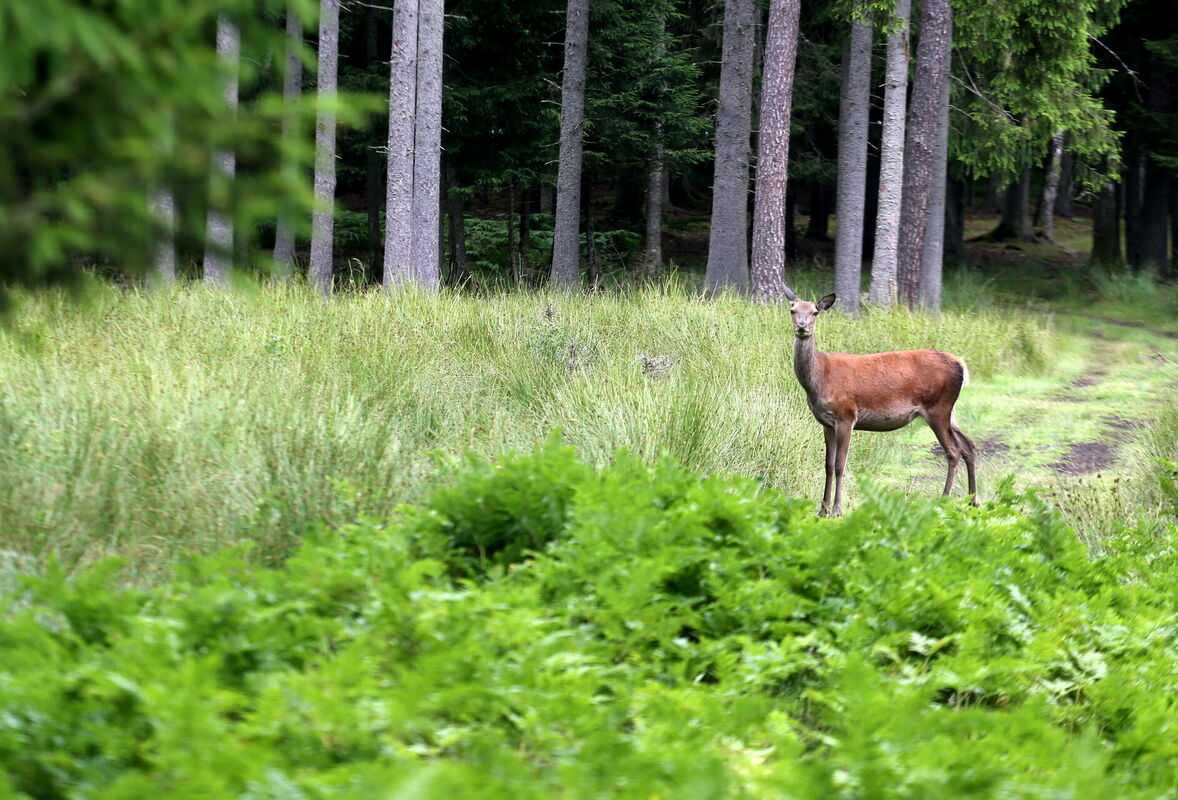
(842, 435)
(828, 435)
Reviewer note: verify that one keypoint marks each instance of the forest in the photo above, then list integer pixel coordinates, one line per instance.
(434, 398)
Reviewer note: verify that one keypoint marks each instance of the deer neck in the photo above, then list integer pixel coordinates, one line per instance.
(806, 363)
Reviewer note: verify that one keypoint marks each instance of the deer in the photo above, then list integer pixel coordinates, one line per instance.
(877, 392)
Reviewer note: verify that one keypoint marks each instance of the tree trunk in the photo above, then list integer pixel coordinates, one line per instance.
(1155, 222)
(728, 267)
(818, 228)
(525, 232)
(323, 220)
(292, 88)
(566, 262)
(1067, 186)
(1016, 212)
(891, 167)
(427, 148)
(373, 171)
(921, 147)
(996, 186)
(162, 205)
(955, 204)
(854, 104)
(1046, 219)
(459, 271)
(1106, 229)
(932, 258)
(590, 235)
(218, 259)
(777, 86)
(652, 253)
(1134, 199)
(398, 235)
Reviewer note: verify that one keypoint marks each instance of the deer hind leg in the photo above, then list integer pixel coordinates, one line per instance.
(828, 435)
(943, 429)
(969, 454)
(842, 435)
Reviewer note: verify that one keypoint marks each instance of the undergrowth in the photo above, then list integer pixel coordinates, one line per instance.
(663, 634)
(161, 424)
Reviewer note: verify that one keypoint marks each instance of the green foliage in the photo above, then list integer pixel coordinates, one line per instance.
(679, 636)
(152, 425)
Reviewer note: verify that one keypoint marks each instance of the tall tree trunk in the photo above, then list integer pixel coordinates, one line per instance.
(1016, 211)
(591, 263)
(891, 166)
(1046, 219)
(373, 169)
(854, 105)
(1106, 229)
(777, 87)
(323, 220)
(955, 204)
(728, 266)
(218, 259)
(1155, 222)
(921, 144)
(162, 205)
(525, 232)
(459, 271)
(427, 149)
(1133, 202)
(932, 258)
(1067, 186)
(398, 228)
(996, 186)
(292, 87)
(566, 262)
(652, 252)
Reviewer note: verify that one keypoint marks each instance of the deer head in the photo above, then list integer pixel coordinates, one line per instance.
(805, 314)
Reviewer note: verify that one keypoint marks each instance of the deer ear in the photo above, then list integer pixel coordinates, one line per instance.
(826, 302)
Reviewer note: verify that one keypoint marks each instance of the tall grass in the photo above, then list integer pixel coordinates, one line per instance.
(151, 425)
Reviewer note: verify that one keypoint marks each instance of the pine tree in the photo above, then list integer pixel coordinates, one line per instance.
(219, 233)
(398, 242)
(781, 49)
(566, 266)
(727, 267)
(323, 221)
(427, 149)
(891, 170)
(854, 107)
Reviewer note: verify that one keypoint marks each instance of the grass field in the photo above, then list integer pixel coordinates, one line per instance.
(153, 425)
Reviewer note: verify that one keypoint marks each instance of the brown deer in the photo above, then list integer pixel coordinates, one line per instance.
(877, 392)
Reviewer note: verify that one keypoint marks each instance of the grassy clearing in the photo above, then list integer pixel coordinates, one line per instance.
(156, 425)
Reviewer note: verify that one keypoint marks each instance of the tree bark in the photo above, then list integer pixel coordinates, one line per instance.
(292, 87)
(427, 148)
(1133, 202)
(398, 236)
(728, 267)
(932, 258)
(566, 262)
(652, 252)
(1016, 212)
(854, 105)
(1106, 229)
(1051, 182)
(218, 260)
(459, 271)
(323, 219)
(1155, 222)
(921, 147)
(777, 85)
(955, 202)
(1064, 206)
(373, 169)
(891, 168)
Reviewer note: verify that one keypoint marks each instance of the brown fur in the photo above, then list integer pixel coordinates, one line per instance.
(877, 392)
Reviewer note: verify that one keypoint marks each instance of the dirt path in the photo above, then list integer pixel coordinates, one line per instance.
(1077, 426)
